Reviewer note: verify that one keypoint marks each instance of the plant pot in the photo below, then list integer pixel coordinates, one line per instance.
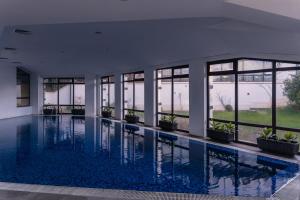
(76, 111)
(49, 111)
(277, 146)
(167, 126)
(132, 119)
(106, 114)
(220, 136)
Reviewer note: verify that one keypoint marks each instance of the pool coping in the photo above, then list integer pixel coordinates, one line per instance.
(113, 193)
(134, 194)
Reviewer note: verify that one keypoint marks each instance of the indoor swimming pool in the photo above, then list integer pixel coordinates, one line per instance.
(100, 153)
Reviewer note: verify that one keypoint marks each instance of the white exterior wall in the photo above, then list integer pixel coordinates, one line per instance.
(251, 95)
(8, 93)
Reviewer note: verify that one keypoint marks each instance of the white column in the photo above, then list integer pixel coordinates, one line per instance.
(149, 96)
(118, 96)
(90, 95)
(36, 93)
(197, 98)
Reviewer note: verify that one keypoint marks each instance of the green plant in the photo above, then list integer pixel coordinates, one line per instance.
(228, 108)
(229, 128)
(290, 136)
(131, 113)
(215, 125)
(107, 109)
(266, 133)
(292, 90)
(169, 118)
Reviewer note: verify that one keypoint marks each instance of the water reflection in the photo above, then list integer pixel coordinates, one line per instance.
(90, 152)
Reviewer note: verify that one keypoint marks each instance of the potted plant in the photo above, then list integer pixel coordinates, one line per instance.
(78, 111)
(131, 117)
(106, 112)
(270, 142)
(168, 123)
(221, 132)
(49, 111)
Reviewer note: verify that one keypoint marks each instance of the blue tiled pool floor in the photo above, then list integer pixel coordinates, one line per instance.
(98, 153)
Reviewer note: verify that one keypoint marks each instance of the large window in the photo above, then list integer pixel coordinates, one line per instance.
(23, 88)
(108, 93)
(133, 94)
(253, 94)
(64, 94)
(172, 85)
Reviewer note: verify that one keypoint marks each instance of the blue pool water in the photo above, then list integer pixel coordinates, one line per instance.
(98, 153)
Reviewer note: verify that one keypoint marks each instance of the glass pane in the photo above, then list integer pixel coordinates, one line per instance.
(183, 123)
(255, 102)
(222, 97)
(128, 95)
(65, 80)
(139, 76)
(65, 109)
(221, 67)
(249, 133)
(181, 96)
(164, 95)
(50, 94)
(128, 77)
(23, 90)
(164, 73)
(112, 95)
(244, 65)
(105, 95)
(181, 71)
(79, 80)
(285, 65)
(65, 94)
(111, 79)
(288, 99)
(141, 115)
(79, 96)
(50, 80)
(139, 95)
(23, 102)
(104, 79)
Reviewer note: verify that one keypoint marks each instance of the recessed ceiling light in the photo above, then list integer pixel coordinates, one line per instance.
(10, 49)
(22, 31)
(3, 58)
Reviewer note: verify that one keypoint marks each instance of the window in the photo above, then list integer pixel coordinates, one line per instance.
(172, 85)
(23, 88)
(64, 94)
(133, 94)
(253, 95)
(108, 93)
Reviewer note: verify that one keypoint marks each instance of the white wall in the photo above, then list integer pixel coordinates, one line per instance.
(8, 93)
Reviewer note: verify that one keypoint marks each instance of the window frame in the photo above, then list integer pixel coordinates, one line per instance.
(60, 82)
(133, 92)
(172, 77)
(236, 73)
(109, 82)
(23, 73)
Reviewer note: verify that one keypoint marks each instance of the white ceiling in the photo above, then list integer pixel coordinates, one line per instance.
(138, 33)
